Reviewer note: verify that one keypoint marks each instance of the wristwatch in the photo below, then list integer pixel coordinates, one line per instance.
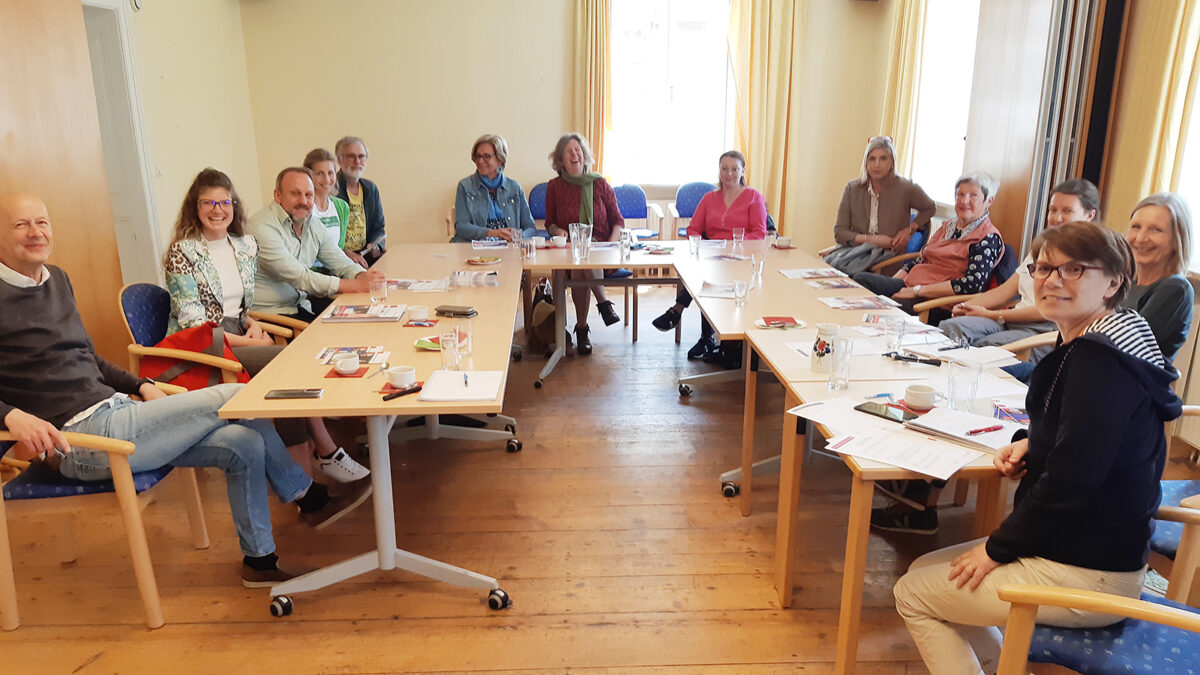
(917, 290)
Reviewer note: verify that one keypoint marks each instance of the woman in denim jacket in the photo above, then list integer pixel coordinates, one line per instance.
(488, 203)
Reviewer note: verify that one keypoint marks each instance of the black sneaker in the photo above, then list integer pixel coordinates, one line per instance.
(338, 506)
(903, 518)
(667, 321)
(702, 347)
(607, 312)
(252, 578)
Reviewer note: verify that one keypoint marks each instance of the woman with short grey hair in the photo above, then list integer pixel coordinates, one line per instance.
(873, 218)
(489, 204)
(1160, 234)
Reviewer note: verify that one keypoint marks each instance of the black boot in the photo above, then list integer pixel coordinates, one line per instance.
(583, 344)
(607, 312)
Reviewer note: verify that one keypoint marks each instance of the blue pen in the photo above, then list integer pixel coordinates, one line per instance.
(880, 395)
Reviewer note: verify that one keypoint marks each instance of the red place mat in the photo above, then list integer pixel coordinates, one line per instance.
(362, 370)
(388, 388)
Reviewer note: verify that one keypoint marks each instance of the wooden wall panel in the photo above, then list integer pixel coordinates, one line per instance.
(1002, 128)
(50, 146)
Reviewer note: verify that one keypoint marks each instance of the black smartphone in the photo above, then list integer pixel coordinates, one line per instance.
(887, 412)
(294, 393)
(456, 311)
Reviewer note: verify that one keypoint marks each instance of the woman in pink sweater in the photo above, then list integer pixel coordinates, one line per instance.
(731, 205)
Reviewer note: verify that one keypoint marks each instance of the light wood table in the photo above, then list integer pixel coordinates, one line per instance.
(297, 367)
(989, 511)
(557, 263)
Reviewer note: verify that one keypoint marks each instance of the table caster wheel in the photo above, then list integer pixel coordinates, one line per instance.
(281, 606)
(498, 599)
(730, 489)
(517, 355)
(537, 384)
(513, 445)
(511, 428)
(685, 389)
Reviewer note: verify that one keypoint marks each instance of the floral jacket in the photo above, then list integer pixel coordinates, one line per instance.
(195, 284)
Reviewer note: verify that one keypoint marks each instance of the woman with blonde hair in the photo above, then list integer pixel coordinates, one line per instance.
(488, 204)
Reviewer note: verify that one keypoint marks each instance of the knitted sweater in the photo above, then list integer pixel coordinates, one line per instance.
(48, 366)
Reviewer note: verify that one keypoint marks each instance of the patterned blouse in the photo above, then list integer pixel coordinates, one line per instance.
(195, 284)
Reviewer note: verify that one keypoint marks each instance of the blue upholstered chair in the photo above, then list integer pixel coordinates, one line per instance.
(687, 198)
(146, 309)
(1160, 636)
(38, 491)
(1175, 544)
(645, 220)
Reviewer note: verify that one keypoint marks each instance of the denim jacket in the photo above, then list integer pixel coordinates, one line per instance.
(195, 284)
(471, 208)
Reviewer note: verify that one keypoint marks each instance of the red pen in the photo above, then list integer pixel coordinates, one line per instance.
(976, 432)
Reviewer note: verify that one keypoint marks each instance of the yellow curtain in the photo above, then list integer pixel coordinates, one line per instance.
(593, 89)
(1157, 88)
(899, 118)
(765, 37)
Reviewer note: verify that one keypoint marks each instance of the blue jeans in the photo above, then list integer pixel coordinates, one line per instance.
(184, 430)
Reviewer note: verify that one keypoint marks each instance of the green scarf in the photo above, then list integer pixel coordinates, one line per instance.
(584, 182)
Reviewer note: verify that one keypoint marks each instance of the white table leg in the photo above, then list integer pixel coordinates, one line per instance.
(560, 324)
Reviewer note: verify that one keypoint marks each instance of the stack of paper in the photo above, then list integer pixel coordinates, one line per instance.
(469, 278)
(906, 449)
(812, 273)
(985, 357)
(714, 290)
(863, 302)
(974, 431)
(364, 313)
(420, 285)
(489, 243)
(462, 385)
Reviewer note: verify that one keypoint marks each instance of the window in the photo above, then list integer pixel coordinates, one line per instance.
(943, 98)
(669, 61)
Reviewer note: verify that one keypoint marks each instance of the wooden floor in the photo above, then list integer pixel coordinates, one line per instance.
(609, 531)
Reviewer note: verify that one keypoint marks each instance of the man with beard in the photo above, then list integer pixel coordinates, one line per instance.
(366, 232)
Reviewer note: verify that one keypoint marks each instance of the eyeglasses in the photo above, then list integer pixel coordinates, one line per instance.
(362, 157)
(485, 156)
(214, 203)
(1067, 271)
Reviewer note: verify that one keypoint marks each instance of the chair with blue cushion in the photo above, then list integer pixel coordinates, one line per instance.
(642, 218)
(687, 198)
(1175, 544)
(38, 491)
(537, 205)
(1158, 636)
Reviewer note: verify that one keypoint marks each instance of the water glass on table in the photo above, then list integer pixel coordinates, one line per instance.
(964, 382)
(741, 289)
(448, 339)
(464, 337)
(839, 373)
(739, 235)
(379, 289)
(694, 245)
(581, 242)
(529, 250)
(893, 332)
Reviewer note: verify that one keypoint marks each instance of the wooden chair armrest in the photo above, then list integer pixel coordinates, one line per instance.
(827, 250)
(185, 355)
(168, 388)
(884, 264)
(1102, 603)
(944, 301)
(15, 463)
(1192, 502)
(1191, 410)
(673, 209)
(295, 324)
(1022, 347)
(104, 443)
(656, 209)
(278, 331)
(1179, 514)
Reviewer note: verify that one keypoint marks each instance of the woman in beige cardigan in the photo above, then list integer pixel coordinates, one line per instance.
(873, 219)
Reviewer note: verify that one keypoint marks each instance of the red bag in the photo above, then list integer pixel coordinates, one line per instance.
(209, 339)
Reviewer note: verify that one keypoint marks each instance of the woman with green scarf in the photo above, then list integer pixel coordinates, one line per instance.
(581, 196)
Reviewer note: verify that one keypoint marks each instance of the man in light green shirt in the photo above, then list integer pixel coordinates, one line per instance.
(289, 242)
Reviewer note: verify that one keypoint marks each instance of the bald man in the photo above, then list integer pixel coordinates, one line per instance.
(49, 368)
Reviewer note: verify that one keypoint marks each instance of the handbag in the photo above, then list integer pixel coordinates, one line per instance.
(207, 338)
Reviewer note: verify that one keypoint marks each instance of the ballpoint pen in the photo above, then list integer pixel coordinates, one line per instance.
(984, 430)
(951, 347)
(882, 394)
(403, 392)
(465, 384)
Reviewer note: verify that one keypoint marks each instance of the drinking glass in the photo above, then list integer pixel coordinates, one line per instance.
(757, 263)
(581, 242)
(528, 251)
(626, 244)
(694, 245)
(379, 288)
(464, 337)
(893, 332)
(449, 343)
(741, 289)
(739, 235)
(839, 373)
(964, 382)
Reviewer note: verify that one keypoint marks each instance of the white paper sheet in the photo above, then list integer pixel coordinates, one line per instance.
(812, 273)
(713, 290)
(455, 385)
(957, 427)
(907, 450)
(840, 417)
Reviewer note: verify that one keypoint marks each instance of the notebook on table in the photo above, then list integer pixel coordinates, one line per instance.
(462, 385)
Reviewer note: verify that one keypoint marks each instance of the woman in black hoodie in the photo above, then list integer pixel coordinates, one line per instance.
(1089, 466)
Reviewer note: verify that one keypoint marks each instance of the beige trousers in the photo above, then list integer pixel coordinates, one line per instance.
(956, 629)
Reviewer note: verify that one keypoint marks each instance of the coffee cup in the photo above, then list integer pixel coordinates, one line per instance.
(401, 377)
(346, 364)
(920, 397)
(558, 241)
(539, 242)
(418, 312)
(783, 242)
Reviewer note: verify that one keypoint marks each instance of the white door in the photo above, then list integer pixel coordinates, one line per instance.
(137, 234)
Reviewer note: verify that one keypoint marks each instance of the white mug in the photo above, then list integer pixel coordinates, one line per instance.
(558, 241)
(921, 397)
(346, 364)
(539, 242)
(783, 242)
(418, 312)
(401, 377)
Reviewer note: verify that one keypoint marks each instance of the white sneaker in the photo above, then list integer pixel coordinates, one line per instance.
(342, 468)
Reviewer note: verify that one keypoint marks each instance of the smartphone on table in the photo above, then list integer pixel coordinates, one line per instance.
(887, 412)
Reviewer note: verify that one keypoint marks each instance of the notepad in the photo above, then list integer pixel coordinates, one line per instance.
(462, 385)
(956, 427)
